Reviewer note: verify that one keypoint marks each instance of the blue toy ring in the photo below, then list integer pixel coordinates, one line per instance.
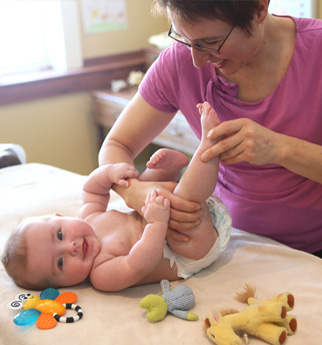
(70, 319)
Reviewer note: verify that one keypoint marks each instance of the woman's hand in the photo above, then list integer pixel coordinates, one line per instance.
(244, 140)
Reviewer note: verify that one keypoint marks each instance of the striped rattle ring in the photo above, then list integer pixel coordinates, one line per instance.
(70, 319)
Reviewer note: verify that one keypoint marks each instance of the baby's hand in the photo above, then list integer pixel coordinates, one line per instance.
(157, 208)
(120, 172)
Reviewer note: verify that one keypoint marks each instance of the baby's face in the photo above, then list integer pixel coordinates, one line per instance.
(60, 249)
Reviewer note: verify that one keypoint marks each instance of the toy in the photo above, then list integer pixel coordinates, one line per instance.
(176, 301)
(46, 310)
(267, 320)
(19, 301)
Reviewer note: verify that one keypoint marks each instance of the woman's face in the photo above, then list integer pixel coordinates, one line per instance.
(237, 51)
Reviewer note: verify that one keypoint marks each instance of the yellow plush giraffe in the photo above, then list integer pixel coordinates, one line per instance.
(267, 320)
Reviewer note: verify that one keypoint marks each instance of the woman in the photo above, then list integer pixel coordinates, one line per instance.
(262, 75)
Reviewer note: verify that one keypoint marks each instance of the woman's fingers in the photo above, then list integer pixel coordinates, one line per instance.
(177, 236)
(184, 221)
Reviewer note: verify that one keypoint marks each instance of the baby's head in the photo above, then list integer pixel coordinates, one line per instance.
(50, 251)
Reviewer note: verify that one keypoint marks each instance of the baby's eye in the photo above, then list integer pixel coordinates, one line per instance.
(60, 263)
(60, 235)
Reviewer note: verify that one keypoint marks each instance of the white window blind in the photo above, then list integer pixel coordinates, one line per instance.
(37, 35)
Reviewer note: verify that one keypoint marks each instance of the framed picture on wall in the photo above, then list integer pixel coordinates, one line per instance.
(104, 15)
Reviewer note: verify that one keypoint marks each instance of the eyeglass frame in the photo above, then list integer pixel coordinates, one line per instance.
(201, 48)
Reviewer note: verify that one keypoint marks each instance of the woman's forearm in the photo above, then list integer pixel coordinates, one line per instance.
(302, 158)
(135, 129)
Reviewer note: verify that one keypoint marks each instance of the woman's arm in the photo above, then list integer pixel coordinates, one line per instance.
(248, 141)
(136, 127)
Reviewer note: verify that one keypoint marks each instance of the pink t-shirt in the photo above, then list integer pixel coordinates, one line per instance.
(267, 200)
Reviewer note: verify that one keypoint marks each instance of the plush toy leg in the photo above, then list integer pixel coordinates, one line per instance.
(192, 317)
(182, 314)
(286, 298)
(271, 333)
(290, 323)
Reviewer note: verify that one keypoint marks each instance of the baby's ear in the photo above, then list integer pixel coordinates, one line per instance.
(57, 215)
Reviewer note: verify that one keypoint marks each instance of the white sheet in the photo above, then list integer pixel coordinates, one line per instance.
(116, 318)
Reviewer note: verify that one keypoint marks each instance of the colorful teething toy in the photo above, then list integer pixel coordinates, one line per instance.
(46, 310)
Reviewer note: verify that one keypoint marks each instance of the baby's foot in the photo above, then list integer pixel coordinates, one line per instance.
(209, 119)
(167, 159)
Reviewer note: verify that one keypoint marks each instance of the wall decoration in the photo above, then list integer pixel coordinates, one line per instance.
(103, 15)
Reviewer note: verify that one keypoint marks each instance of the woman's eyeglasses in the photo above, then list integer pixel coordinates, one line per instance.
(198, 46)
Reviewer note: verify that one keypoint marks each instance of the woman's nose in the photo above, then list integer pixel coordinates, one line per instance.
(199, 57)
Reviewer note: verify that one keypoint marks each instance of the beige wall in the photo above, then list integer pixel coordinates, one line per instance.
(319, 9)
(59, 130)
(141, 25)
(56, 131)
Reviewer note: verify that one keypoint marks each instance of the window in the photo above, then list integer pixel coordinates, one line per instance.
(296, 8)
(38, 35)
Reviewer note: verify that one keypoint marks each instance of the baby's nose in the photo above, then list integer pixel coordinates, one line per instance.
(71, 248)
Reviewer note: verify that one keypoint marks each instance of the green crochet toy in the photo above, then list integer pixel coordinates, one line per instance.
(176, 301)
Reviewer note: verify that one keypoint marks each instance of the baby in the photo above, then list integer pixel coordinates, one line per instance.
(116, 250)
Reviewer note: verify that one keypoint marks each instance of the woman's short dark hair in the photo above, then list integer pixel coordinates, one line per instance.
(235, 12)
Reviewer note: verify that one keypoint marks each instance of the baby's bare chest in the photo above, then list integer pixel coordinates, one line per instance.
(118, 232)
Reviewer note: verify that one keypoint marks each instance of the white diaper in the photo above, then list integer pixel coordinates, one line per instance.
(222, 222)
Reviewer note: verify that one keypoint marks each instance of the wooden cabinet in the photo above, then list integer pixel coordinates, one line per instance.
(107, 106)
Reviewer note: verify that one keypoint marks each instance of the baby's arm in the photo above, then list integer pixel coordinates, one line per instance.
(96, 190)
(147, 252)
(124, 271)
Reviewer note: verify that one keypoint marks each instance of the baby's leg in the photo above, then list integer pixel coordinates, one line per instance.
(197, 184)
(164, 165)
(199, 174)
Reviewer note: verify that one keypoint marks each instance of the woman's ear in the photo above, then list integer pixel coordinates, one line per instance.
(262, 11)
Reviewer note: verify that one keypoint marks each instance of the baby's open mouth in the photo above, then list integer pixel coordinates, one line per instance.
(85, 248)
